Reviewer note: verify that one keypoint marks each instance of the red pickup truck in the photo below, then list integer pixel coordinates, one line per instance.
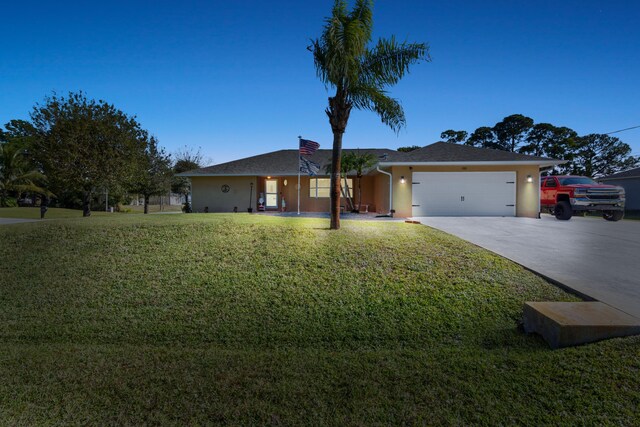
(563, 195)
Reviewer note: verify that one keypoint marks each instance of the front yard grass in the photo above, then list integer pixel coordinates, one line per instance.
(52, 213)
(62, 213)
(247, 319)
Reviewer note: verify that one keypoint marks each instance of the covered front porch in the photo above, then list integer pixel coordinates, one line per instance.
(280, 193)
(272, 193)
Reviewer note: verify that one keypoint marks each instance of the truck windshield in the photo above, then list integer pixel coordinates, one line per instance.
(573, 180)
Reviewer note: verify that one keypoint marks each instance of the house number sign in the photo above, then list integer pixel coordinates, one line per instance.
(225, 188)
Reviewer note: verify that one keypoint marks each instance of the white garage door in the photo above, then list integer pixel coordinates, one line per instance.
(464, 194)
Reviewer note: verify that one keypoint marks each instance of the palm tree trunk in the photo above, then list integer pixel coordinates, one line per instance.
(345, 194)
(359, 193)
(338, 113)
(334, 191)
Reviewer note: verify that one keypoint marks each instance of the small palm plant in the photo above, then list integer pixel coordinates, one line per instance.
(17, 174)
(346, 166)
(360, 76)
(359, 163)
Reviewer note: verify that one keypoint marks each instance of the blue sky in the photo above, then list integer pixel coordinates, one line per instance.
(235, 78)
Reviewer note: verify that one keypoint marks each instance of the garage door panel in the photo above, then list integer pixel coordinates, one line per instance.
(463, 194)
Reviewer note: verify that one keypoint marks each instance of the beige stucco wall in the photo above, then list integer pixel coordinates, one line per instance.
(312, 204)
(381, 196)
(206, 191)
(527, 194)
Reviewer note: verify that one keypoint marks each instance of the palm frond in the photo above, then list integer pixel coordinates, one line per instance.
(343, 43)
(360, 75)
(372, 98)
(363, 13)
(30, 188)
(389, 60)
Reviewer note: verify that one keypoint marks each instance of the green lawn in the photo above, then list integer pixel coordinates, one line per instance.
(246, 319)
(52, 213)
(58, 213)
(152, 208)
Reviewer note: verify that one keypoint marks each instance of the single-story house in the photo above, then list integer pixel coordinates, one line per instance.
(630, 181)
(441, 179)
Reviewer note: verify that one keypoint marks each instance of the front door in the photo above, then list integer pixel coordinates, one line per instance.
(271, 186)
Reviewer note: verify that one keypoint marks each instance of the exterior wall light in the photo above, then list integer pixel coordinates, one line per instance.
(268, 177)
(285, 182)
(529, 178)
(402, 180)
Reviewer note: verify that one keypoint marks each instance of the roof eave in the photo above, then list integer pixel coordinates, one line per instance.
(479, 163)
(191, 175)
(615, 178)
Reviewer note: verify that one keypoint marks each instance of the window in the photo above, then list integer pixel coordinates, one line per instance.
(574, 180)
(550, 182)
(319, 187)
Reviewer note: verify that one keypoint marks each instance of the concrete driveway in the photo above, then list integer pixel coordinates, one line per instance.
(595, 257)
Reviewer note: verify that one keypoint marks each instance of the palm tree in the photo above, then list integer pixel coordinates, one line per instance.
(359, 163)
(16, 173)
(359, 75)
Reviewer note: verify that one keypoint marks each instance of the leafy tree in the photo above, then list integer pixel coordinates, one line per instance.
(360, 162)
(512, 131)
(600, 154)
(545, 139)
(85, 145)
(186, 159)
(483, 137)
(409, 148)
(17, 174)
(359, 75)
(21, 132)
(548, 140)
(454, 136)
(153, 176)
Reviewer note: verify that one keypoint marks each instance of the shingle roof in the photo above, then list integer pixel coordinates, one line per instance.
(631, 173)
(279, 163)
(285, 162)
(448, 152)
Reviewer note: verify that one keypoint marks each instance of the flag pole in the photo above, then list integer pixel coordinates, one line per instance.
(299, 138)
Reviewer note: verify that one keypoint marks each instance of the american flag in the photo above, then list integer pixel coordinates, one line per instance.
(307, 148)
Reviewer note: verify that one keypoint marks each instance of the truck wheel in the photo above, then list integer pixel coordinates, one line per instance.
(563, 210)
(613, 215)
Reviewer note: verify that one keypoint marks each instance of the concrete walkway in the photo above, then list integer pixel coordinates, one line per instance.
(371, 216)
(4, 221)
(595, 257)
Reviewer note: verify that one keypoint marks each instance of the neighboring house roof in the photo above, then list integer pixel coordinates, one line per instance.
(278, 163)
(631, 173)
(447, 153)
(285, 162)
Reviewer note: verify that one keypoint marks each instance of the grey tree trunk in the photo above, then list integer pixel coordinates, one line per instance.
(86, 204)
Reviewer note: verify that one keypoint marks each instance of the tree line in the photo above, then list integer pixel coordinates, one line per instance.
(591, 155)
(74, 149)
